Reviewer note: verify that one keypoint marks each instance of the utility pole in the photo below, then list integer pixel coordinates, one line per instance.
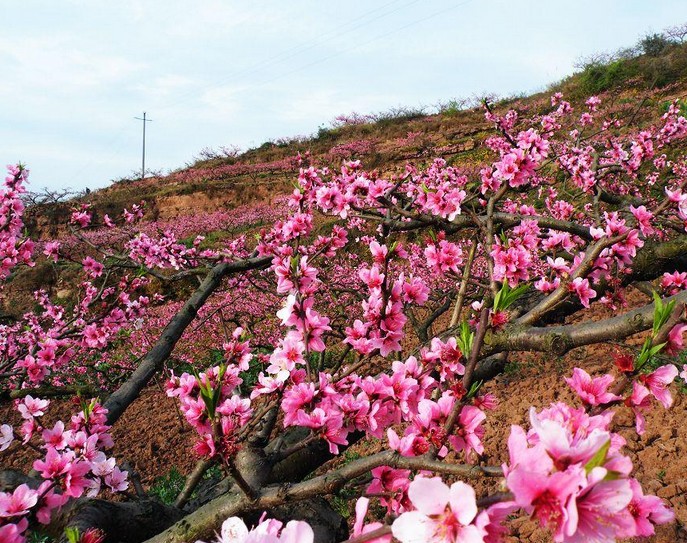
(143, 160)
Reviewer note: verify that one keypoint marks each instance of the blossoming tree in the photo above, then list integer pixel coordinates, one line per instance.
(383, 305)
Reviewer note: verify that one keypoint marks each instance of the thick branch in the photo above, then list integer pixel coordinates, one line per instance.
(128, 521)
(560, 339)
(505, 220)
(202, 522)
(153, 360)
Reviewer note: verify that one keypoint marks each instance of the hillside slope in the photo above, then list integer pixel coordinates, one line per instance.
(642, 86)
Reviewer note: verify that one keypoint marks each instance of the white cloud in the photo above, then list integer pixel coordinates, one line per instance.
(58, 66)
(220, 102)
(318, 106)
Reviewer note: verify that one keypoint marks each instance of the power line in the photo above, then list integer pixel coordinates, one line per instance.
(143, 159)
(290, 53)
(294, 51)
(360, 44)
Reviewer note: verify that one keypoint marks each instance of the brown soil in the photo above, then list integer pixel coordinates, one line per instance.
(150, 437)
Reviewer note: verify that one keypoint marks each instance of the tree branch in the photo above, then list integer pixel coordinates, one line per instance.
(119, 400)
(203, 521)
(560, 339)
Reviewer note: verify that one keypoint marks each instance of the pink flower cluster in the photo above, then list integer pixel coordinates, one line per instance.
(210, 403)
(568, 472)
(164, 252)
(234, 530)
(383, 310)
(74, 464)
(46, 343)
(444, 514)
(14, 247)
(594, 391)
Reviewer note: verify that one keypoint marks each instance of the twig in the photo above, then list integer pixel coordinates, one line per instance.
(463, 286)
(192, 482)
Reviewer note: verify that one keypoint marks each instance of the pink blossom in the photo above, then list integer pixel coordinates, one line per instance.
(645, 511)
(442, 514)
(18, 503)
(52, 249)
(549, 498)
(379, 252)
(359, 528)
(392, 481)
(92, 267)
(492, 520)
(583, 290)
(511, 264)
(644, 218)
(117, 480)
(31, 407)
(82, 218)
(415, 291)
(447, 256)
(675, 342)
(410, 444)
(469, 431)
(12, 533)
(601, 509)
(593, 102)
(6, 436)
(56, 437)
(658, 382)
(639, 402)
(593, 391)
(234, 530)
(672, 283)
(564, 441)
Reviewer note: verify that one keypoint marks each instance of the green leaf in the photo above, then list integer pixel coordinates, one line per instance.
(474, 389)
(599, 458)
(465, 339)
(499, 295)
(507, 296)
(656, 349)
(662, 312)
(72, 533)
(218, 388)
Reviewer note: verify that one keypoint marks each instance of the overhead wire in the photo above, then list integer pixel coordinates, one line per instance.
(295, 51)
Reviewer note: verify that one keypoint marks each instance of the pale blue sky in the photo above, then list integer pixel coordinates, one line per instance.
(222, 72)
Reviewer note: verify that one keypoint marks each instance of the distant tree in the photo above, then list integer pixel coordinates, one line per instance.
(653, 44)
(677, 33)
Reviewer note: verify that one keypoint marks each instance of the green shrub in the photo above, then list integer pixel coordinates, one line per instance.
(654, 44)
(168, 487)
(597, 78)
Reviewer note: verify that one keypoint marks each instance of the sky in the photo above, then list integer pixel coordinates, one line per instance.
(211, 73)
